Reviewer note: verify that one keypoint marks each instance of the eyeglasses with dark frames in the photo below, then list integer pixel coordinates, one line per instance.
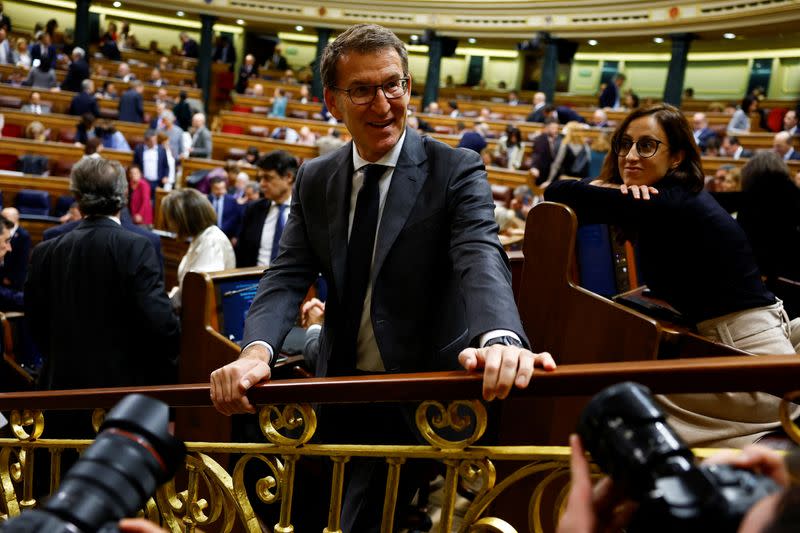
(645, 147)
(365, 94)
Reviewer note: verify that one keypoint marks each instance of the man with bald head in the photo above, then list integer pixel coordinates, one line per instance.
(537, 113)
(790, 122)
(15, 249)
(702, 133)
(248, 70)
(782, 145)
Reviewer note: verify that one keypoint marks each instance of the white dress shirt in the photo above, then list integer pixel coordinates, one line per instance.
(268, 231)
(150, 163)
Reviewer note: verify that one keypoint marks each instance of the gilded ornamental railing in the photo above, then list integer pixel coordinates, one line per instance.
(208, 496)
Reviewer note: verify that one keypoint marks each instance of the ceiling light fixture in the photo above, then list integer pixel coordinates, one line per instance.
(298, 28)
(729, 35)
(117, 4)
(240, 22)
(658, 40)
(472, 40)
(180, 13)
(592, 42)
(415, 37)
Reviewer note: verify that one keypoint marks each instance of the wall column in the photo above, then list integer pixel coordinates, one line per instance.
(431, 93)
(673, 90)
(82, 25)
(204, 56)
(323, 35)
(549, 68)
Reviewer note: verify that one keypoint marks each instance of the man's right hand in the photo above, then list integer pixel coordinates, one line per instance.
(230, 383)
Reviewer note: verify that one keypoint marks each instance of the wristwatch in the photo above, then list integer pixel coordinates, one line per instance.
(505, 339)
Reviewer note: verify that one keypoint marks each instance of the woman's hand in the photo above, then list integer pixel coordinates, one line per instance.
(639, 192)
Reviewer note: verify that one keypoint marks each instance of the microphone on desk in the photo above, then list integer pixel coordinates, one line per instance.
(236, 291)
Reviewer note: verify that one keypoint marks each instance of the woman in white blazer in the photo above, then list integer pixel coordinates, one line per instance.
(189, 214)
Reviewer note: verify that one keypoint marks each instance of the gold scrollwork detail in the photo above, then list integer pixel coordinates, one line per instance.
(272, 420)
(268, 488)
(98, 417)
(10, 473)
(477, 475)
(209, 496)
(491, 524)
(457, 417)
(27, 418)
(788, 424)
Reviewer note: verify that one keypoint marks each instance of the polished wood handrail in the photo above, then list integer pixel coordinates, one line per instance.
(777, 374)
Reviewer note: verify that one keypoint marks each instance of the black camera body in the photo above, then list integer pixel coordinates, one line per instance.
(629, 439)
(132, 455)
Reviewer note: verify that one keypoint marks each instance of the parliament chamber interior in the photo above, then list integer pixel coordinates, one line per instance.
(616, 185)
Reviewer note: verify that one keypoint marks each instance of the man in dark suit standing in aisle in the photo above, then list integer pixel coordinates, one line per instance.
(151, 157)
(84, 101)
(402, 228)
(189, 46)
(246, 71)
(77, 72)
(264, 220)
(131, 103)
(228, 210)
(612, 94)
(95, 296)
(545, 147)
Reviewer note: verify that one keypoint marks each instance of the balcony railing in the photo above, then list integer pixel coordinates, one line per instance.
(207, 496)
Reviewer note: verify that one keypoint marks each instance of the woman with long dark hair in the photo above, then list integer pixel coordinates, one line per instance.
(693, 255)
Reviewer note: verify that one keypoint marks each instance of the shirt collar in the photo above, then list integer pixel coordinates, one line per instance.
(115, 219)
(388, 160)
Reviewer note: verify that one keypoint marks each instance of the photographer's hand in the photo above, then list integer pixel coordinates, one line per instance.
(139, 525)
(759, 459)
(592, 509)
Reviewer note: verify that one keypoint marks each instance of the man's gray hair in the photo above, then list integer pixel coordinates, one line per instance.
(99, 186)
(86, 85)
(168, 115)
(78, 51)
(363, 39)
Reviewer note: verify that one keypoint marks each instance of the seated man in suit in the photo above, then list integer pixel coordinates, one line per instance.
(264, 220)
(702, 133)
(782, 145)
(430, 290)
(228, 210)
(35, 105)
(11, 295)
(732, 148)
(14, 269)
(102, 279)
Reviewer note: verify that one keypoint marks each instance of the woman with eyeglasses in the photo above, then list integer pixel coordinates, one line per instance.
(693, 255)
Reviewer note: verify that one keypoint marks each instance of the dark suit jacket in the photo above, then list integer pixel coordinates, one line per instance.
(98, 311)
(15, 262)
(78, 71)
(703, 137)
(543, 157)
(231, 215)
(250, 233)
(230, 55)
(536, 115)
(131, 106)
(36, 53)
(83, 103)
(244, 75)
(127, 223)
(567, 114)
(609, 95)
(440, 277)
(163, 164)
(190, 48)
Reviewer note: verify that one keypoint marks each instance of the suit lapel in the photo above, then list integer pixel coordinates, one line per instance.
(338, 189)
(407, 181)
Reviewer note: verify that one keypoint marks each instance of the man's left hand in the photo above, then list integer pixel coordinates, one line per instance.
(504, 366)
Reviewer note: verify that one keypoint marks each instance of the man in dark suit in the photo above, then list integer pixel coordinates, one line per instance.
(611, 95)
(782, 145)
(264, 219)
(702, 133)
(228, 210)
(95, 297)
(189, 46)
(224, 52)
(537, 113)
(44, 51)
(131, 103)
(5, 20)
(545, 147)
(246, 71)
(77, 72)
(84, 101)
(14, 268)
(731, 147)
(432, 290)
(127, 223)
(151, 157)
